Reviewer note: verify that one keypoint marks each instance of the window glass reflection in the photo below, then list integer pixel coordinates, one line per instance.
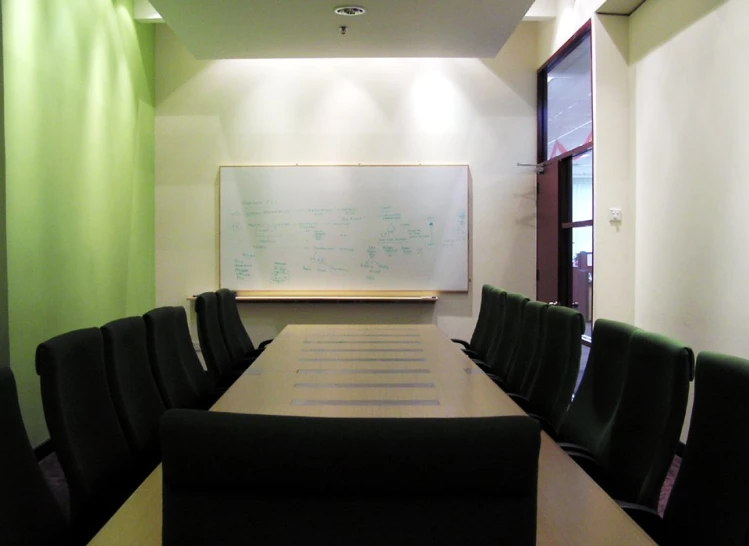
(569, 114)
(582, 187)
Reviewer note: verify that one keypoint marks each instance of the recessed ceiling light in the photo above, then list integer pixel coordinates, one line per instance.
(350, 11)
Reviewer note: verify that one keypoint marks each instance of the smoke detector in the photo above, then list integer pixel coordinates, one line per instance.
(350, 11)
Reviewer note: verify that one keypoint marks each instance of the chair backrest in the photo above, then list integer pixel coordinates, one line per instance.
(198, 376)
(166, 363)
(237, 341)
(83, 425)
(212, 345)
(482, 322)
(273, 480)
(495, 321)
(709, 502)
(133, 387)
(646, 426)
(590, 414)
(512, 322)
(527, 353)
(551, 391)
(29, 513)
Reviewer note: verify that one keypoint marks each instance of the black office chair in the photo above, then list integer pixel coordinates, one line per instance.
(199, 378)
(527, 353)
(241, 349)
(709, 502)
(134, 392)
(84, 427)
(589, 417)
(212, 345)
(500, 357)
(166, 362)
(550, 391)
(482, 322)
(639, 448)
(487, 342)
(278, 480)
(29, 513)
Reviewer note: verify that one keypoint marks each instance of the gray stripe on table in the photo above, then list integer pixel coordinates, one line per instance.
(374, 350)
(362, 359)
(365, 385)
(341, 341)
(365, 403)
(363, 335)
(329, 371)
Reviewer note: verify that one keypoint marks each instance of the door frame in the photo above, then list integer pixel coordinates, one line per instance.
(564, 191)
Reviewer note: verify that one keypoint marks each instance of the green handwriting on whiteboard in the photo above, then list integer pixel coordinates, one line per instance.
(280, 273)
(310, 228)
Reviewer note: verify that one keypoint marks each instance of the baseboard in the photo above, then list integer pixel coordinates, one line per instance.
(43, 450)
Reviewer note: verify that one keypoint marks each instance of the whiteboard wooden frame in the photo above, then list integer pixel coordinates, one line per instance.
(428, 295)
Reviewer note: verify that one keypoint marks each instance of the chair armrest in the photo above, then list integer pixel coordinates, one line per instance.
(497, 381)
(483, 366)
(569, 447)
(264, 344)
(592, 468)
(246, 362)
(647, 518)
(471, 353)
(520, 400)
(461, 342)
(546, 425)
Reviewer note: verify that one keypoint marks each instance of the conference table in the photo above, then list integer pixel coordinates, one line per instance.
(390, 371)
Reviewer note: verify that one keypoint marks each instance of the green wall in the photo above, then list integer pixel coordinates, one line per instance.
(79, 123)
(4, 350)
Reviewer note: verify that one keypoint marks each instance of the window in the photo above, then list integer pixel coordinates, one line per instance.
(565, 147)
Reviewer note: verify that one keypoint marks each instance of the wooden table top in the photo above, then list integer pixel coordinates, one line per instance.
(391, 371)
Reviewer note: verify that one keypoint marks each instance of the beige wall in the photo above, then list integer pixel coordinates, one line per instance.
(614, 242)
(570, 16)
(690, 89)
(346, 111)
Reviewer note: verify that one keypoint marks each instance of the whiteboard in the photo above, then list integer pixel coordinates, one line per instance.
(344, 228)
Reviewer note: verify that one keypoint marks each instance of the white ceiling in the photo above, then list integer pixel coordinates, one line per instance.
(219, 29)
(620, 7)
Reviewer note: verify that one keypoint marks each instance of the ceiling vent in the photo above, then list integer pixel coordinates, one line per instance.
(350, 11)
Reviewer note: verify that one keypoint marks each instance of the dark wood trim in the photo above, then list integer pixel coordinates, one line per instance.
(568, 46)
(574, 151)
(44, 450)
(565, 236)
(588, 146)
(581, 223)
(541, 110)
(561, 162)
